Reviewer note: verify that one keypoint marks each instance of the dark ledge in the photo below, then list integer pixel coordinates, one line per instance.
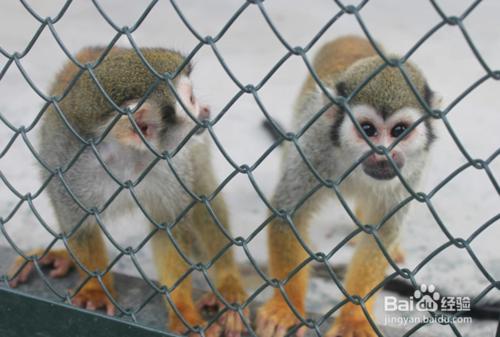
(33, 309)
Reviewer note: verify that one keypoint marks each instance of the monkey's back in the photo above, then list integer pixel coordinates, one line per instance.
(336, 56)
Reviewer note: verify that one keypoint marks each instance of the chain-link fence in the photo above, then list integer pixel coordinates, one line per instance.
(315, 325)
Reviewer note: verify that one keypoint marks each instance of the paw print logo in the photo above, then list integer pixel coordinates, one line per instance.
(427, 298)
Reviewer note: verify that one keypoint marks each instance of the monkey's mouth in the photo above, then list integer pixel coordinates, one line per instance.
(200, 131)
(381, 170)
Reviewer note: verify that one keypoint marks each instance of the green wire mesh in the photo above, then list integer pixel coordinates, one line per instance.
(322, 258)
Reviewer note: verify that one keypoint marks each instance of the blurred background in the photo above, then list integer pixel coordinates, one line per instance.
(251, 50)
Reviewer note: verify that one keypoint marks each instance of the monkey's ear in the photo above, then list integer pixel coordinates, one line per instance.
(341, 89)
(143, 111)
(130, 104)
(436, 101)
(184, 89)
(338, 90)
(433, 99)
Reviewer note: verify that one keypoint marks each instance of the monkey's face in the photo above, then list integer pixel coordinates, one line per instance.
(159, 121)
(407, 156)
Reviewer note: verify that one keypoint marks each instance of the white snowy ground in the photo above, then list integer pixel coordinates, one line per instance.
(250, 50)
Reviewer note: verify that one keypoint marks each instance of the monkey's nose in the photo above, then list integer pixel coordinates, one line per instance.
(376, 158)
(382, 157)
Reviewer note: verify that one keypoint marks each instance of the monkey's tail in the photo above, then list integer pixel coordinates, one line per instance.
(273, 129)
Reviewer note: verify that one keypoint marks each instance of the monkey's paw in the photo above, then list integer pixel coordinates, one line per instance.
(92, 298)
(275, 318)
(229, 323)
(351, 328)
(59, 261)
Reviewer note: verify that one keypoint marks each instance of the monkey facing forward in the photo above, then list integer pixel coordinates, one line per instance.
(86, 194)
(385, 108)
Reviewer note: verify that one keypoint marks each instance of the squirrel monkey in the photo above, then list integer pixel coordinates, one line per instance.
(86, 194)
(385, 107)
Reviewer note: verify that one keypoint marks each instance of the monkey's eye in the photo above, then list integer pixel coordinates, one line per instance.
(369, 129)
(191, 97)
(398, 129)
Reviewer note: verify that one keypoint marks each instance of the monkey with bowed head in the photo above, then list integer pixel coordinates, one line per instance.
(94, 189)
(385, 108)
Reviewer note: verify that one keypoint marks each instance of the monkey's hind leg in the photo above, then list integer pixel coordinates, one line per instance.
(171, 268)
(227, 275)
